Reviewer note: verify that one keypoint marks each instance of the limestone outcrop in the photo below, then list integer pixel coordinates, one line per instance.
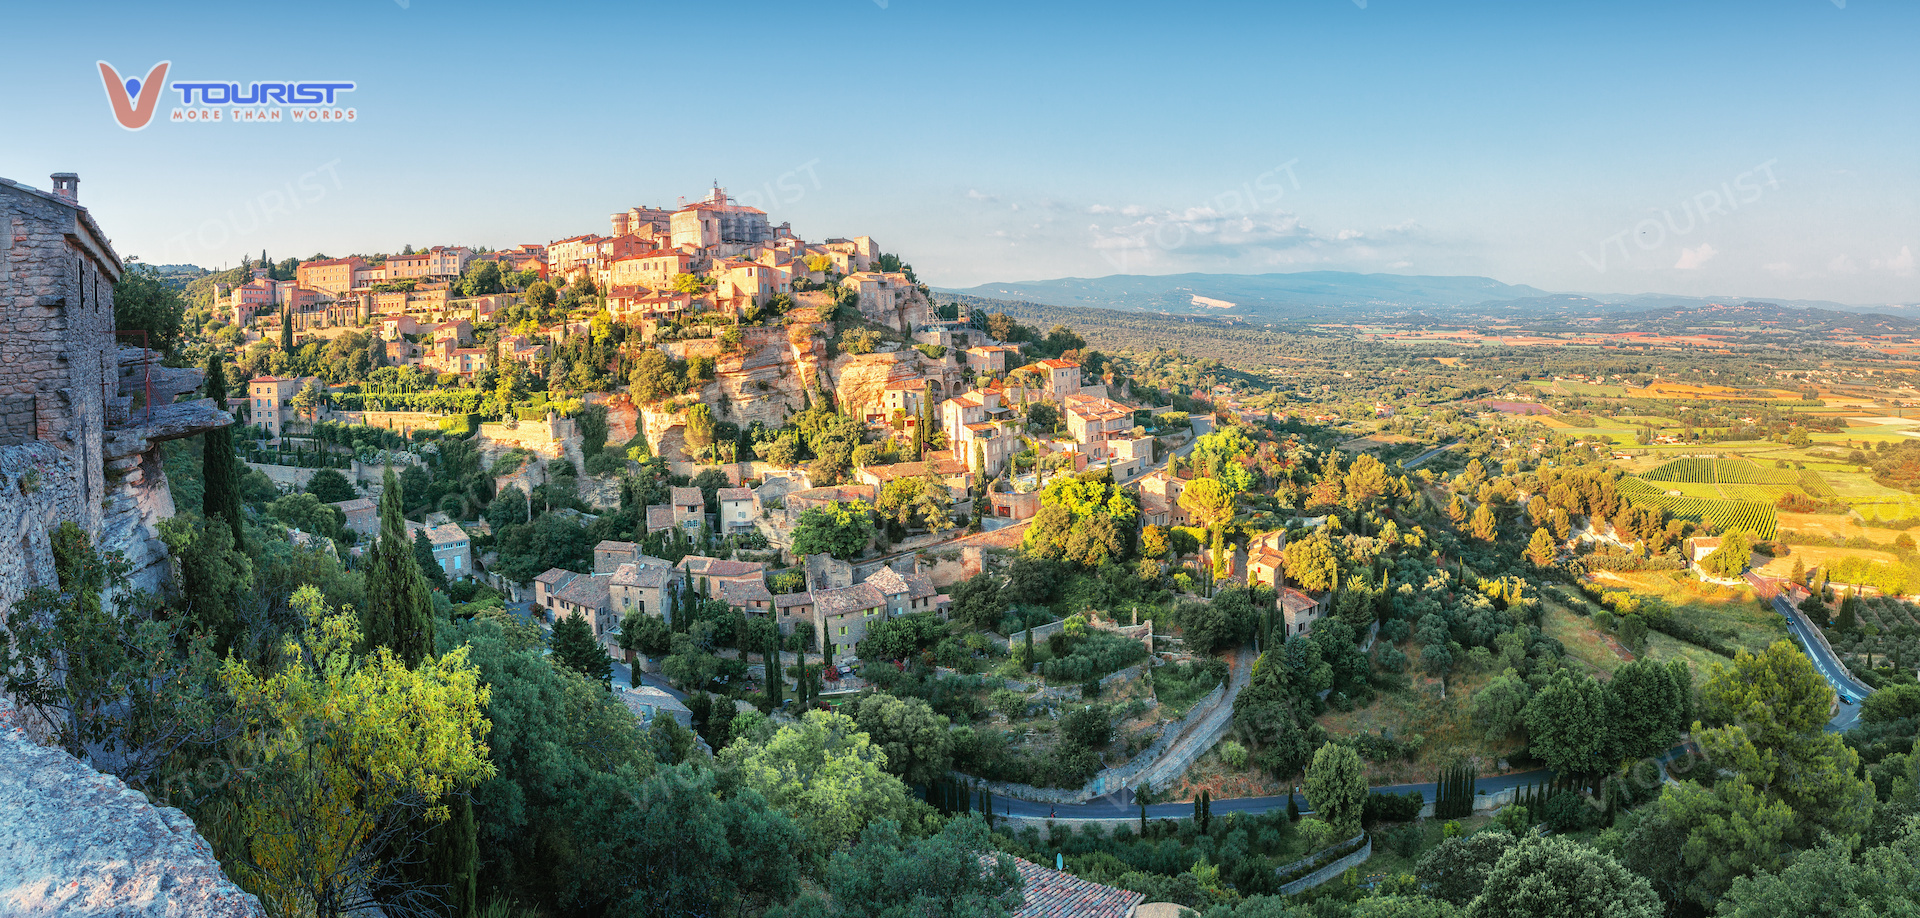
(75, 842)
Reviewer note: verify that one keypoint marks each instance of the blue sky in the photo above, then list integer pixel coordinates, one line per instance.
(1585, 147)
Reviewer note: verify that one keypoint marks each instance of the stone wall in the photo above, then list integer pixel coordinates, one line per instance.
(58, 361)
(38, 489)
(1330, 871)
(77, 842)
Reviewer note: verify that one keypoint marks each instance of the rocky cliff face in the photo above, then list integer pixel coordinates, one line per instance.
(860, 382)
(79, 843)
(764, 380)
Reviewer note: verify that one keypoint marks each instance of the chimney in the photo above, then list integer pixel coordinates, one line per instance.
(67, 185)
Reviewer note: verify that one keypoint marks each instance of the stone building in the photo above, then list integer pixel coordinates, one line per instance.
(79, 415)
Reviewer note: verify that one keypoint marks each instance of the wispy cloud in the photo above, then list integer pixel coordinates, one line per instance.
(1696, 256)
(977, 195)
(1900, 265)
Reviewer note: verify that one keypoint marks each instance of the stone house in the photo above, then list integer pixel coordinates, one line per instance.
(609, 555)
(270, 400)
(453, 549)
(1094, 421)
(978, 417)
(362, 516)
(706, 574)
(588, 596)
(1299, 610)
(1267, 560)
(80, 417)
(647, 586)
(737, 509)
(547, 583)
(1160, 500)
(689, 508)
(841, 615)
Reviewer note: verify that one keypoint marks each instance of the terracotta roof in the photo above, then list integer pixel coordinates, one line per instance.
(554, 575)
(446, 533)
(888, 581)
(716, 568)
(790, 600)
(1056, 363)
(586, 590)
(688, 497)
(1294, 601)
(920, 586)
(611, 545)
(356, 505)
(634, 575)
(736, 592)
(734, 494)
(658, 518)
(1051, 893)
(848, 599)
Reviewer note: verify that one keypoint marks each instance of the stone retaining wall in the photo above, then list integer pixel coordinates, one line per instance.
(1330, 871)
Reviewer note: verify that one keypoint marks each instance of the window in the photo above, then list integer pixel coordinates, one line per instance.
(843, 631)
(456, 562)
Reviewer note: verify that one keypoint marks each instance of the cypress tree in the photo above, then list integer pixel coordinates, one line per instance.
(423, 558)
(286, 329)
(774, 687)
(453, 856)
(399, 612)
(218, 466)
(1029, 648)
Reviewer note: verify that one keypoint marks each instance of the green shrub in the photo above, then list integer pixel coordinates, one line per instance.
(1234, 754)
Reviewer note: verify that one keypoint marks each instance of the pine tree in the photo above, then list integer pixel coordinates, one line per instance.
(218, 466)
(575, 647)
(399, 613)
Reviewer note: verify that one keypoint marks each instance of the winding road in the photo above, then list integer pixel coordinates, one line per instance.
(1119, 805)
(1429, 454)
(1850, 690)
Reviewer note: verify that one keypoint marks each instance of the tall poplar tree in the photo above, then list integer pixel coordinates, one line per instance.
(399, 612)
(218, 465)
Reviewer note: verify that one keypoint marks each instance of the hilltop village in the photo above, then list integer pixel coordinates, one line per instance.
(725, 327)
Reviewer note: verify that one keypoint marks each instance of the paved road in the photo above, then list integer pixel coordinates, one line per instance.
(1849, 689)
(1429, 454)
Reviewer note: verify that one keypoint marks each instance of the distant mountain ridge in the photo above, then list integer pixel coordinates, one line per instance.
(1321, 296)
